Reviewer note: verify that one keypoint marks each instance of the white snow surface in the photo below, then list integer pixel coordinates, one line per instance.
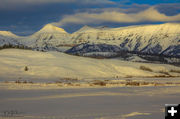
(56, 65)
(96, 103)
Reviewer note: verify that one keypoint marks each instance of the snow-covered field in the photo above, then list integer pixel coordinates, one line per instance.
(60, 86)
(88, 103)
(55, 65)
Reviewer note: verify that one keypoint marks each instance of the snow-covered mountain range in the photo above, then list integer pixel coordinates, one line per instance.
(152, 39)
(163, 39)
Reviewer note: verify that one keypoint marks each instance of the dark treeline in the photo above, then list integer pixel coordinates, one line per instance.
(7, 46)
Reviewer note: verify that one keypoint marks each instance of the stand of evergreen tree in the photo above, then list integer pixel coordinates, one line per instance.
(6, 46)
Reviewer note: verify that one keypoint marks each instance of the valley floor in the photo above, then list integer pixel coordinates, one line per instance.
(88, 103)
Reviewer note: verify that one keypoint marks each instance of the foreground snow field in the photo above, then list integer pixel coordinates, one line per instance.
(55, 65)
(94, 103)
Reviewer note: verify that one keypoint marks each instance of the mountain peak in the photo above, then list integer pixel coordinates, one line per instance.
(49, 28)
(7, 33)
(86, 28)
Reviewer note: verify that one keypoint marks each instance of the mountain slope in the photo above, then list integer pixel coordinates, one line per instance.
(95, 50)
(151, 39)
(8, 34)
(7, 39)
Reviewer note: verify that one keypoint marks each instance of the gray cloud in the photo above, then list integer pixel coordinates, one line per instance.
(134, 8)
(148, 15)
(11, 4)
(169, 9)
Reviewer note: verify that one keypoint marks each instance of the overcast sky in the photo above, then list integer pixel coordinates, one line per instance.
(24, 17)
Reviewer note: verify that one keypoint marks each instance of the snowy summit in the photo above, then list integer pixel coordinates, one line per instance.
(49, 28)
